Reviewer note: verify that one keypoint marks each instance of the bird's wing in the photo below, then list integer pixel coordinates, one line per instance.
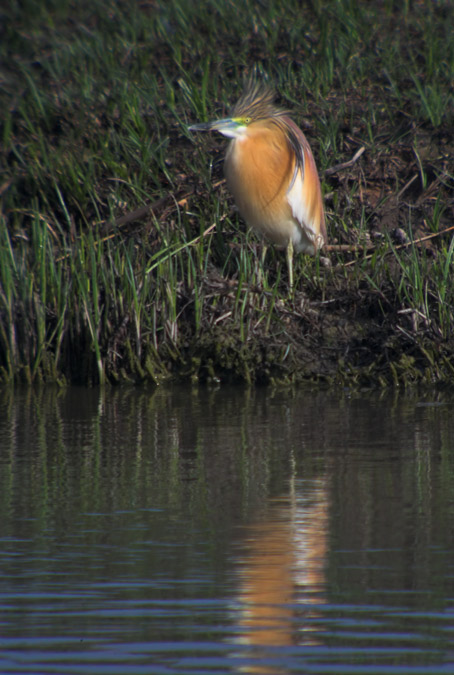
(304, 194)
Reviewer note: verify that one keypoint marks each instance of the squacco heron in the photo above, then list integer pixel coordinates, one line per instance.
(271, 173)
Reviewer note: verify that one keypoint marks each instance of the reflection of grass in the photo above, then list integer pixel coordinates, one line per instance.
(95, 104)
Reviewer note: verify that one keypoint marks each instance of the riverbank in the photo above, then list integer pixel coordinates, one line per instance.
(122, 258)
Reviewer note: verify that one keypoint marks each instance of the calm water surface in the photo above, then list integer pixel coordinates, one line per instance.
(229, 531)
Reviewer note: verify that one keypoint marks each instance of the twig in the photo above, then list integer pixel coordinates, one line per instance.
(345, 165)
(347, 248)
(143, 211)
(399, 246)
(406, 186)
(138, 214)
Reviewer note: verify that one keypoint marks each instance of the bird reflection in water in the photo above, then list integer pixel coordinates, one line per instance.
(282, 574)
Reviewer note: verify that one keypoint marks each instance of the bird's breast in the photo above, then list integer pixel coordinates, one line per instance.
(258, 173)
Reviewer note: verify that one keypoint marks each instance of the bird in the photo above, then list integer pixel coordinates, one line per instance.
(271, 172)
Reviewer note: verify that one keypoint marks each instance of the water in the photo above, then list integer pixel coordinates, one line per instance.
(226, 531)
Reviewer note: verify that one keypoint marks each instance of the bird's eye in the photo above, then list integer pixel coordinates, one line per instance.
(247, 120)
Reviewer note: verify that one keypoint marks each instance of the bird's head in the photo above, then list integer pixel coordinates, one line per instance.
(255, 105)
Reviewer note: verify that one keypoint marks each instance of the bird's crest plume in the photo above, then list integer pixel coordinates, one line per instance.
(256, 102)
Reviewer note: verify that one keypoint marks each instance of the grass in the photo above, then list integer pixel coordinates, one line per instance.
(95, 103)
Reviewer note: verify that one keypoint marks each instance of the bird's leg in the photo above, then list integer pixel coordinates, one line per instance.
(290, 265)
(261, 272)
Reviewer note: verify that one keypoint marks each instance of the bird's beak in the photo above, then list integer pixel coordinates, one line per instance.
(227, 126)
